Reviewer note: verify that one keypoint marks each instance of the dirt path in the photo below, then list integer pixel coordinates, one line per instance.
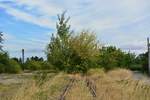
(140, 76)
(8, 79)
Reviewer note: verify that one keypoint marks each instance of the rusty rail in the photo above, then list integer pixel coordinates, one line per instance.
(90, 84)
(66, 89)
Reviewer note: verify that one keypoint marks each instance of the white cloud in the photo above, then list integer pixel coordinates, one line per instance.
(102, 15)
(7, 36)
(20, 15)
(42, 6)
(98, 15)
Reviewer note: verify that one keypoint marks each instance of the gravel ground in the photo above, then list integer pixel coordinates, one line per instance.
(140, 76)
(8, 79)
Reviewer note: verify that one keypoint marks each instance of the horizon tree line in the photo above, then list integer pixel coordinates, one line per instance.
(75, 52)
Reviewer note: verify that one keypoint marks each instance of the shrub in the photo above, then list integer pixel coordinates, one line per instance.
(58, 49)
(84, 52)
(13, 67)
(112, 57)
(46, 65)
(72, 53)
(4, 58)
(33, 65)
(2, 68)
(37, 65)
(8, 65)
(96, 72)
(120, 74)
(79, 54)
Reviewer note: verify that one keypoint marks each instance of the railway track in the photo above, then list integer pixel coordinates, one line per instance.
(92, 88)
(67, 88)
(89, 84)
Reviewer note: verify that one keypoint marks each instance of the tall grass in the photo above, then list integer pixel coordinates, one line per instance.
(119, 85)
(49, 90)
(79, 91)
(113, 85)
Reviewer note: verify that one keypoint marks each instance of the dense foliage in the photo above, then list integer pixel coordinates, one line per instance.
(73, 53)
(80, 52)
(69, 52)
(35, 58)
(8, 65)
(84, 52)
(35, 63)
(111, 57)
(58, 49)
(142, 61)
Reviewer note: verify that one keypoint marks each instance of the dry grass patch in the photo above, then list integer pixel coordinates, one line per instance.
(96, 73)
(49, 90)
(79, 91)
(120, 74)
(119, 85)
(114, 85)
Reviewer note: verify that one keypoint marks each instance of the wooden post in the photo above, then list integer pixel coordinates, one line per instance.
(22, 55)
(148, 47)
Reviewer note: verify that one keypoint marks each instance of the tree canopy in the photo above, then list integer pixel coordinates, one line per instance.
(74, 52)
(69, 52)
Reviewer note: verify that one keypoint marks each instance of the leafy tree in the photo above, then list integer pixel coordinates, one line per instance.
(84, 50)
(36, 63)
(13, 67)
(111, 57)
(108, 57)
(69, 52)
(8, 65)
(57, 50)
(33, 65)
(17, 60)
(128, 60)
(63, 29)
(36, 58)
(142, 60)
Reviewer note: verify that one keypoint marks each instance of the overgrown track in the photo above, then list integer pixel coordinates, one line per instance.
(90, 84)
(67, 88)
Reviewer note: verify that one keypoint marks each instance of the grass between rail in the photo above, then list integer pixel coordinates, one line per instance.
(113, 85)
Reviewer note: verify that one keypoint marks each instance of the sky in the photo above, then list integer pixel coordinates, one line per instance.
(29, 24)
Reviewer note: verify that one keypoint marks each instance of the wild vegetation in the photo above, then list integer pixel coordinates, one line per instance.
(74, 52)
(113, 85)
(95, 68)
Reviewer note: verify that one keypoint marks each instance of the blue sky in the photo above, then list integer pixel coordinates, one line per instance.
(29, 23)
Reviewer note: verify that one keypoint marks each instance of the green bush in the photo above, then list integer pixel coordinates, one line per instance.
(136, 67)
(46, 65)
(84, 52)
(33, 65)
(2, 68)
(72, 53)
(96, 72)
(4, 58)
(8, 65)
(37, 65)
(78, 55)
(13, 67)
(112, 57)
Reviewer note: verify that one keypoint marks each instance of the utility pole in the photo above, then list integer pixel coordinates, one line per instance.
(22, 55)
(148, 47)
